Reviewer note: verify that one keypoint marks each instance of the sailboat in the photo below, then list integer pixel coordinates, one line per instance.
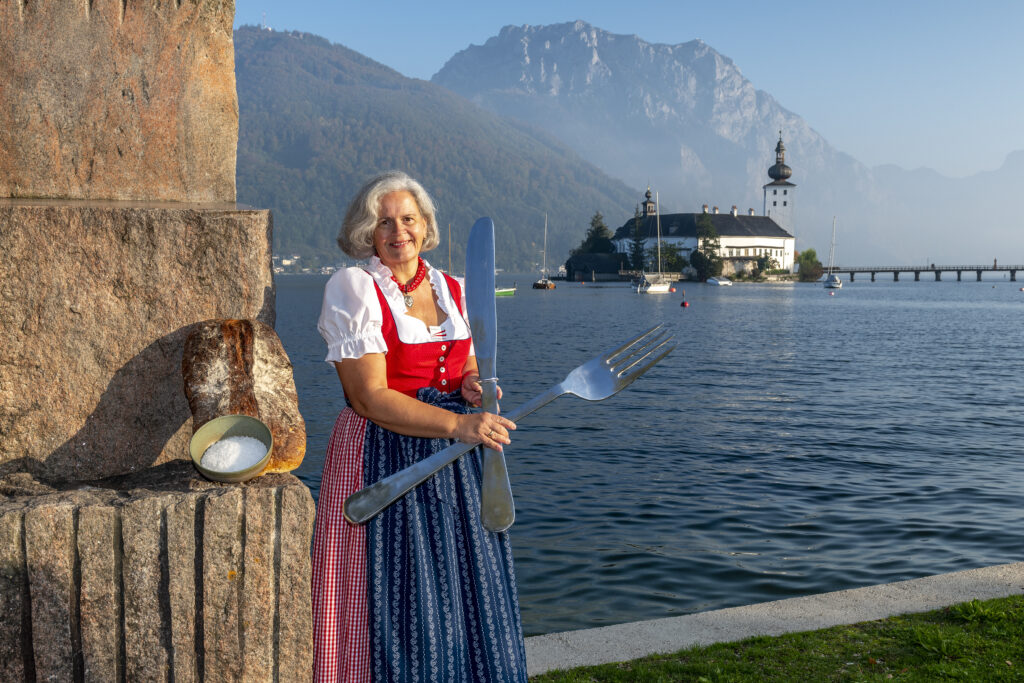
(832, 280)
(655, 283)
(544, 282)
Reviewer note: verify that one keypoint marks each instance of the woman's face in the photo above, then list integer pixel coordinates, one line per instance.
(400, 229)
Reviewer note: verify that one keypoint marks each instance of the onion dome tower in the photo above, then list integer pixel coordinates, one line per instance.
(779, 194)
(649, 207)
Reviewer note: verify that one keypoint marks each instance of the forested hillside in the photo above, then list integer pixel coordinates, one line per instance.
(317, 119)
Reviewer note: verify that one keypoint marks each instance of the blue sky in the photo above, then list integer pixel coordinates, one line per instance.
(918, 84)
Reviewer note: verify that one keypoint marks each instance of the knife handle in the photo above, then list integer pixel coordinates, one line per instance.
(497, 508)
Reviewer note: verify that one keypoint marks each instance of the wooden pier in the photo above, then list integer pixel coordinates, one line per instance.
(931, 268)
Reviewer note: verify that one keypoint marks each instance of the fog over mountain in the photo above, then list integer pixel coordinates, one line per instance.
(316, 120)
(683, 119)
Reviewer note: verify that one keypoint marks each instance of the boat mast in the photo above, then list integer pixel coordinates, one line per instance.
(832, 247)
(657, 212)
(544, 267)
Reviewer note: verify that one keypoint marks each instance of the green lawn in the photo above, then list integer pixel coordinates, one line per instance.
(973, 641)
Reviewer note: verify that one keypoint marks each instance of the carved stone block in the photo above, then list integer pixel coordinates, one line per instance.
(118, 99)
(99, 546)
(156, 576)
(146, 620)
(49, 554)
(223, 585)
(96, 300)
(14, 603)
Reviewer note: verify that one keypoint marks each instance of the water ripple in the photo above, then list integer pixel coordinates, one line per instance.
(794, 443)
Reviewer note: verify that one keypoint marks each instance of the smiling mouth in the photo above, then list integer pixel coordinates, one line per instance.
(396, 245)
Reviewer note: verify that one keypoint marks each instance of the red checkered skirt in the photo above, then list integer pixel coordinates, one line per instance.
(341, 637)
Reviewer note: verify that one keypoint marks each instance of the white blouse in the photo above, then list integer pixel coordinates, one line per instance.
(351, 317)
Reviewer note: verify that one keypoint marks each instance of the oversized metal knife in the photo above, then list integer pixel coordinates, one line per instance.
(497, 510)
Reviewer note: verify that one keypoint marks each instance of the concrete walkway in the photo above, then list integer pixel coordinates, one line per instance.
(629, 641)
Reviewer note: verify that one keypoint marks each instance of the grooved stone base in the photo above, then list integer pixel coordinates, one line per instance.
(160, 576)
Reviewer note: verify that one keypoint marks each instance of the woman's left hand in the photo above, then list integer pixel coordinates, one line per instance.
(472, 392)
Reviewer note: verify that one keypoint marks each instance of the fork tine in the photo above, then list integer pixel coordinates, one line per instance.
(635, 354)
(651, 350)
(609, 355)
(627, 379)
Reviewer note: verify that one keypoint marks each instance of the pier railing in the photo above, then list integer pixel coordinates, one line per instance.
(937, 270)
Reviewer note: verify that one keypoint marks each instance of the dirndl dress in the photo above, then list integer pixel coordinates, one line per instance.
(422, 592)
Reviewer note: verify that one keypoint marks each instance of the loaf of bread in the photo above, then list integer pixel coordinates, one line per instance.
(239, 367)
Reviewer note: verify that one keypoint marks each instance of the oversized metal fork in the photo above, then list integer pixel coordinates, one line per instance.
(595, 380)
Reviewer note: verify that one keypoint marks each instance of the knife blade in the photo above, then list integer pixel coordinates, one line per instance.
(497, 509)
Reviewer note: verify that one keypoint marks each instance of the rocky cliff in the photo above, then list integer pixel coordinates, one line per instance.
(684, 119)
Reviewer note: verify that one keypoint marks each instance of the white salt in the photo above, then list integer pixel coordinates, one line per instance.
(233, 453)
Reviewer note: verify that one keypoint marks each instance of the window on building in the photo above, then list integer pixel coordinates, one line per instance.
(785, 192)
(785, 203)
(775, 203)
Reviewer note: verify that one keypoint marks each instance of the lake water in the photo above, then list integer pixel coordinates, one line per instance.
(794, 442)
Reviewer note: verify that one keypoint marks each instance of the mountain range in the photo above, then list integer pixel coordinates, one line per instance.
(567, 120)
(317, 120)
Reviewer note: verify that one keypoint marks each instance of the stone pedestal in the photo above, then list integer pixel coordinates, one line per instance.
(158, 576)
(96, 301)
(118, 236)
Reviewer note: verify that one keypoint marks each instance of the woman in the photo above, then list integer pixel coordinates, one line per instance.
(422, 592)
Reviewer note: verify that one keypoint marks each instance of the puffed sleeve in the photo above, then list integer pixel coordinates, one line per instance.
(350, 320)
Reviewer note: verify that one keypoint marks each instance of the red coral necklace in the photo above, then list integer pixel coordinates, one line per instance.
(421, 272)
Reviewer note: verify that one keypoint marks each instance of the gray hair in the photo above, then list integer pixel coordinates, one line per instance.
(356, 235)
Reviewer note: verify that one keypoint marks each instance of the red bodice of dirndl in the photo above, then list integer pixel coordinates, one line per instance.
(411, 367)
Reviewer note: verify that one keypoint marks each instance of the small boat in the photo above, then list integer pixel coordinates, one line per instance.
(720, 281)
(505, 291)
(544, 282)
(656, 283)
(832, 281)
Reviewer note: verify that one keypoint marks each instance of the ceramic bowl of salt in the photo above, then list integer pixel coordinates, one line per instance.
(232, 448)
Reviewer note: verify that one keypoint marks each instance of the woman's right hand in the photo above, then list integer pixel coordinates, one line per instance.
(487, 429)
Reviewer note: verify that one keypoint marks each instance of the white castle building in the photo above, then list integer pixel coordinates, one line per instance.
(744, 237)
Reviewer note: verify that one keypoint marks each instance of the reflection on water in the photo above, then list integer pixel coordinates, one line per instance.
(794, 442)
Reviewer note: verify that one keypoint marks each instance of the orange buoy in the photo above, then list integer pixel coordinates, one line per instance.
(672, 289)
(685, 304)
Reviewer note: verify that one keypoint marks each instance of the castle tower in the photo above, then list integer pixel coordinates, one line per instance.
(779, 193)
(649, 207)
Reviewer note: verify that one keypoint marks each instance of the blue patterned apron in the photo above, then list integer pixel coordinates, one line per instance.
(443, 605)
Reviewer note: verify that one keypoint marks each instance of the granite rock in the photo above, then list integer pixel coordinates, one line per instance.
(50, 560)
(99, 542)
(157, 576)
(111, 99)
(239, 367)
(223, 586)
(95, 303)
(15, 629)
(146, 610)
(295, 605)
(181, 585)
(258, 582)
